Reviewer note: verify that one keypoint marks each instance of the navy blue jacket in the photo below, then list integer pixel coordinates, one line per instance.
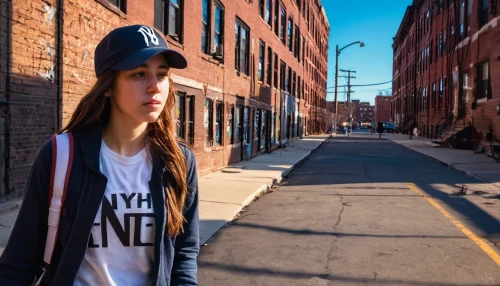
(174, 258)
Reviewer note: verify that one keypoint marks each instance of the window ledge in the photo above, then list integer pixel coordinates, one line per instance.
(211, 59)
(112, 8)
(481, 100)
(174, 42)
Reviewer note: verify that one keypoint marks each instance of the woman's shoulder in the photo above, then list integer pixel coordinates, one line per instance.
(187, 151)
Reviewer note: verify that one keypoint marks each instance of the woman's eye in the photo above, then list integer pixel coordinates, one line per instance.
(162, 76)
(139, 74)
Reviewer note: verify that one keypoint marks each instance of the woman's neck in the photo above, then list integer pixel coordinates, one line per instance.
(125, 139)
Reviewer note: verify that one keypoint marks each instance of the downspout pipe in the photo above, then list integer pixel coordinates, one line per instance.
(59, 70)
(6, 103)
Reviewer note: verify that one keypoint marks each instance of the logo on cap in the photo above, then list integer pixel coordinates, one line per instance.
(149, 34)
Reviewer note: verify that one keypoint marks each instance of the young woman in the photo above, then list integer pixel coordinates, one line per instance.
(131, 211)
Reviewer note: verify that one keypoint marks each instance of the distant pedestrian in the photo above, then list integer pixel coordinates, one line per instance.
(380, 129)
(410, 131)
(130, 215)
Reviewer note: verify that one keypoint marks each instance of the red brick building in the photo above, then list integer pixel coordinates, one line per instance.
(362, 112)
(382, 108)
(446, 74)
(256, 76)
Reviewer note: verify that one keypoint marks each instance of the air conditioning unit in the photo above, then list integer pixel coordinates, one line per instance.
(219, 52)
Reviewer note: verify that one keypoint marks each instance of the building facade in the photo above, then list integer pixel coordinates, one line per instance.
(256, 76)
(382, 108)
(362, 113)
(446, 73)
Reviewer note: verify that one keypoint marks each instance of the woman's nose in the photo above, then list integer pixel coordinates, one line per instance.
(153, 84)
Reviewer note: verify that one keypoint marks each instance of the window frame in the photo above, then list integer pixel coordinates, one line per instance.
(269, 65)
(165, 25)
(190, 116)
(219, 123)
(483, 87)
(261, 61)
(208, 115)
(180, 120)
(282, 24)
(206, 27)
(240, 25)
(483, 13)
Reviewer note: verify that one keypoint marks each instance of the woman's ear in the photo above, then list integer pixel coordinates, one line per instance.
(107, 93)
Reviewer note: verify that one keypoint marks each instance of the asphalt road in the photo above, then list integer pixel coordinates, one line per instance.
(352, 215)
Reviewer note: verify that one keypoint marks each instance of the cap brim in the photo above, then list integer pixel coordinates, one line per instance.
(174, 59)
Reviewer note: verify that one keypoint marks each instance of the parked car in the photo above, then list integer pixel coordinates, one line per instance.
(389, 127)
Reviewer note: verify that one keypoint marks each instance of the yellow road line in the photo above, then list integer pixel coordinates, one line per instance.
(480, 242)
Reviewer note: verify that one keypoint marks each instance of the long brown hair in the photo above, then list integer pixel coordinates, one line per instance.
(95, 107)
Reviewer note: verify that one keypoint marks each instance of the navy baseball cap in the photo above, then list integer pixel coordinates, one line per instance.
(128, 47)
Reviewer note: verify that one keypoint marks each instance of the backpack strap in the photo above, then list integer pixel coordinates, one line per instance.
(62, 160)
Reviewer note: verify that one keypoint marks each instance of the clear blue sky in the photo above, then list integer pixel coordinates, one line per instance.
(373, 22)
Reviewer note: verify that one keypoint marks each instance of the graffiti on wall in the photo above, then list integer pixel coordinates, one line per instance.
(48, 72)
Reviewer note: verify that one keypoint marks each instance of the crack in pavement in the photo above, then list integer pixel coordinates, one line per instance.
(337, 236)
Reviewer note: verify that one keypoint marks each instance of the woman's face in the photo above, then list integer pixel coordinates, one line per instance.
(140, 94)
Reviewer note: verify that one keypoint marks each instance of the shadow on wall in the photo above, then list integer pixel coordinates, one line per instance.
(29, 103)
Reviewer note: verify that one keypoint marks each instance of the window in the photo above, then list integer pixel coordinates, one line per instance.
(262, 49)
(283, 24)
(290, 34)
(289, 80)
(441, 43)
(276, 17)
(440, 98)
(296, 51)
(219, 122)
(433, 96)
(299, 91)
(269, 72)
(268, 12)
(205, 27)
(120, 4)
(483, 10)
(167, 17)
(190, 119)
(230, 126)
(242, 36)
(462, 25)
(180, 115)
(483, 85)
(294, 84)
(238, 128)
(261, 8)
(275, 71)
(208, 122)
(282, 75)
(219, 30)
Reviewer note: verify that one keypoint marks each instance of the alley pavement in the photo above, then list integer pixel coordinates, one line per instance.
(225, 193)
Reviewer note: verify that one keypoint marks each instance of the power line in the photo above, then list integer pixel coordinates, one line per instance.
(364, 84)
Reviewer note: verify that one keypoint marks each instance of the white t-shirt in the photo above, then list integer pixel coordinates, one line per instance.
(121, 244)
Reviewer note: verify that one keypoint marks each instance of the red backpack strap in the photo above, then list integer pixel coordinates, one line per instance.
(62, 161)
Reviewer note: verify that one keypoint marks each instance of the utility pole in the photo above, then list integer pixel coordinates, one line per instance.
(349, 112)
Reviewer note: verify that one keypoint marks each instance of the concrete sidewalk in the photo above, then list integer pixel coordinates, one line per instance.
(477, 165)
(223, 194)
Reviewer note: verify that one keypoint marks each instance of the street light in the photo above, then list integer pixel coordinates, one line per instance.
(361, 44)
